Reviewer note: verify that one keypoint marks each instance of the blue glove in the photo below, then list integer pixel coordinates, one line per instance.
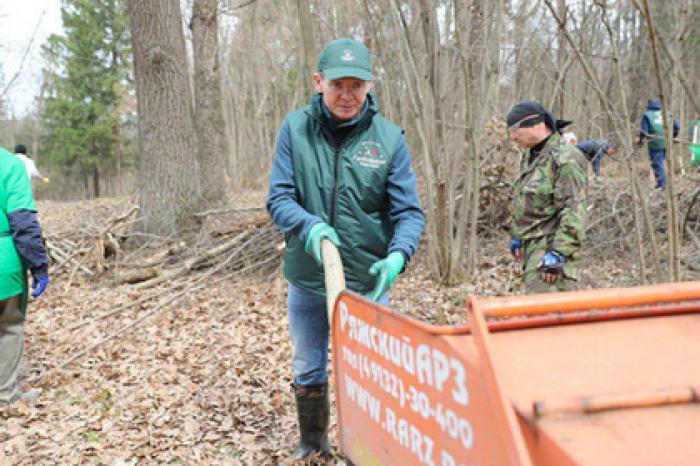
(313, 240)
(515, 244)
(551, 262)
(39, 284)
(387, 270)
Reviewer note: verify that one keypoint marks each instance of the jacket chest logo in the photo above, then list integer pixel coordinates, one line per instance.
(370, 154)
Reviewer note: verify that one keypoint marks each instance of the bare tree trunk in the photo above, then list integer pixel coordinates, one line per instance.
(212, 144)
(418, 112)
(168, 172)
(689, 92)
(673, 244)
(680, 13)
(116, 135)
(40, 106)
(561, 59)
(474, 55)
(308, 46)
(432, 123)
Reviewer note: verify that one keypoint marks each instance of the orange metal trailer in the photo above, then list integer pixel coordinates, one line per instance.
(597, 377)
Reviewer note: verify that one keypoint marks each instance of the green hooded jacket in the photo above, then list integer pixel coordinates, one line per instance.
(15, 194)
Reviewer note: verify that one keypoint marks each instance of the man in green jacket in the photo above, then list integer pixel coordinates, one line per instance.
(550, 213)
(342, 172)
(21, 247)
(652, 128)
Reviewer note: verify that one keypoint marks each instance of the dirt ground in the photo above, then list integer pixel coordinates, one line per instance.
(202, 380)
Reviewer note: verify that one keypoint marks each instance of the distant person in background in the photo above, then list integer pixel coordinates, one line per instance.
(694, 146)
(594, 150)
(652, 128)
(21, 248)
(29, 165)
(569, 137)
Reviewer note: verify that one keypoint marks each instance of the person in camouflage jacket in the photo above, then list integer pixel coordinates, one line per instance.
(550, 212)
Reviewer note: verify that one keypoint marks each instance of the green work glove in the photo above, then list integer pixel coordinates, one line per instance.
(313, 241)
(387, 269)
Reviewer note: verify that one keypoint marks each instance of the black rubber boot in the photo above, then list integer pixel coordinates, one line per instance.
(313, 411)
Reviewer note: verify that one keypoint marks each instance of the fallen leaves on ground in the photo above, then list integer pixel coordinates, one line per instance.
(204, 380)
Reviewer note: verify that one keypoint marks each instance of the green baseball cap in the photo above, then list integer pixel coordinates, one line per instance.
(345, 58)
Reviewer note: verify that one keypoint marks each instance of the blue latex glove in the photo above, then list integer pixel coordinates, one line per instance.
(551, 265)
(313, 241)
(515, 244)
(551, 262)
(387, 270)
(39, 285)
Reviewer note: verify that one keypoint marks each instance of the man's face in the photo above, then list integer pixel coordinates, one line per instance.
(528, 137)
(344, 97)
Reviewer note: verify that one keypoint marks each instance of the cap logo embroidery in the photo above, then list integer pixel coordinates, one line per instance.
(347, 55)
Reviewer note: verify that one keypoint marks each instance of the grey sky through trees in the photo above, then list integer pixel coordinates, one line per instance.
(18, 21)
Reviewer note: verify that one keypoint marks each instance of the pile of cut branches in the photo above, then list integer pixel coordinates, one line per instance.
(99, 241)
(80, 239)
(244, 246)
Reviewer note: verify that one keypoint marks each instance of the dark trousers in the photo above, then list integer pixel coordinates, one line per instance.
(657, 158)
(596, 164)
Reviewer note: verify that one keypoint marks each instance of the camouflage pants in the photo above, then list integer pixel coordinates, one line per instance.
(11, 345)
(533, 251)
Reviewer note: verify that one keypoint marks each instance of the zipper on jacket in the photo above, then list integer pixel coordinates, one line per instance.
(338, 149)
(339, 146)
(334, 197)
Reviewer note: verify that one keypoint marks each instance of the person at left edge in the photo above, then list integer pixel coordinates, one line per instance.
(343, 172)
(21, 247)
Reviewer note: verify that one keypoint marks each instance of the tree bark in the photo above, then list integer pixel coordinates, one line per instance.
(96, 181)
(116, 134)
(561, 59)
(168, 172)
(212, 144)
(308, 47)
(673, 244)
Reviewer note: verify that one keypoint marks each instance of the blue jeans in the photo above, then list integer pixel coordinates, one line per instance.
(308, 329)
(657, 158)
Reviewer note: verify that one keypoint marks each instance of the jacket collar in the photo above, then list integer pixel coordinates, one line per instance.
(318, 110)
(553, 141)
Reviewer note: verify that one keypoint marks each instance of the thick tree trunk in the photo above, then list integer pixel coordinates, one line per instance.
(168, 172)
(430, 91)
(212, 145)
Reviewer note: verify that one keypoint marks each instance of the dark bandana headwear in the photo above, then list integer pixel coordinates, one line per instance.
(525, 108)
